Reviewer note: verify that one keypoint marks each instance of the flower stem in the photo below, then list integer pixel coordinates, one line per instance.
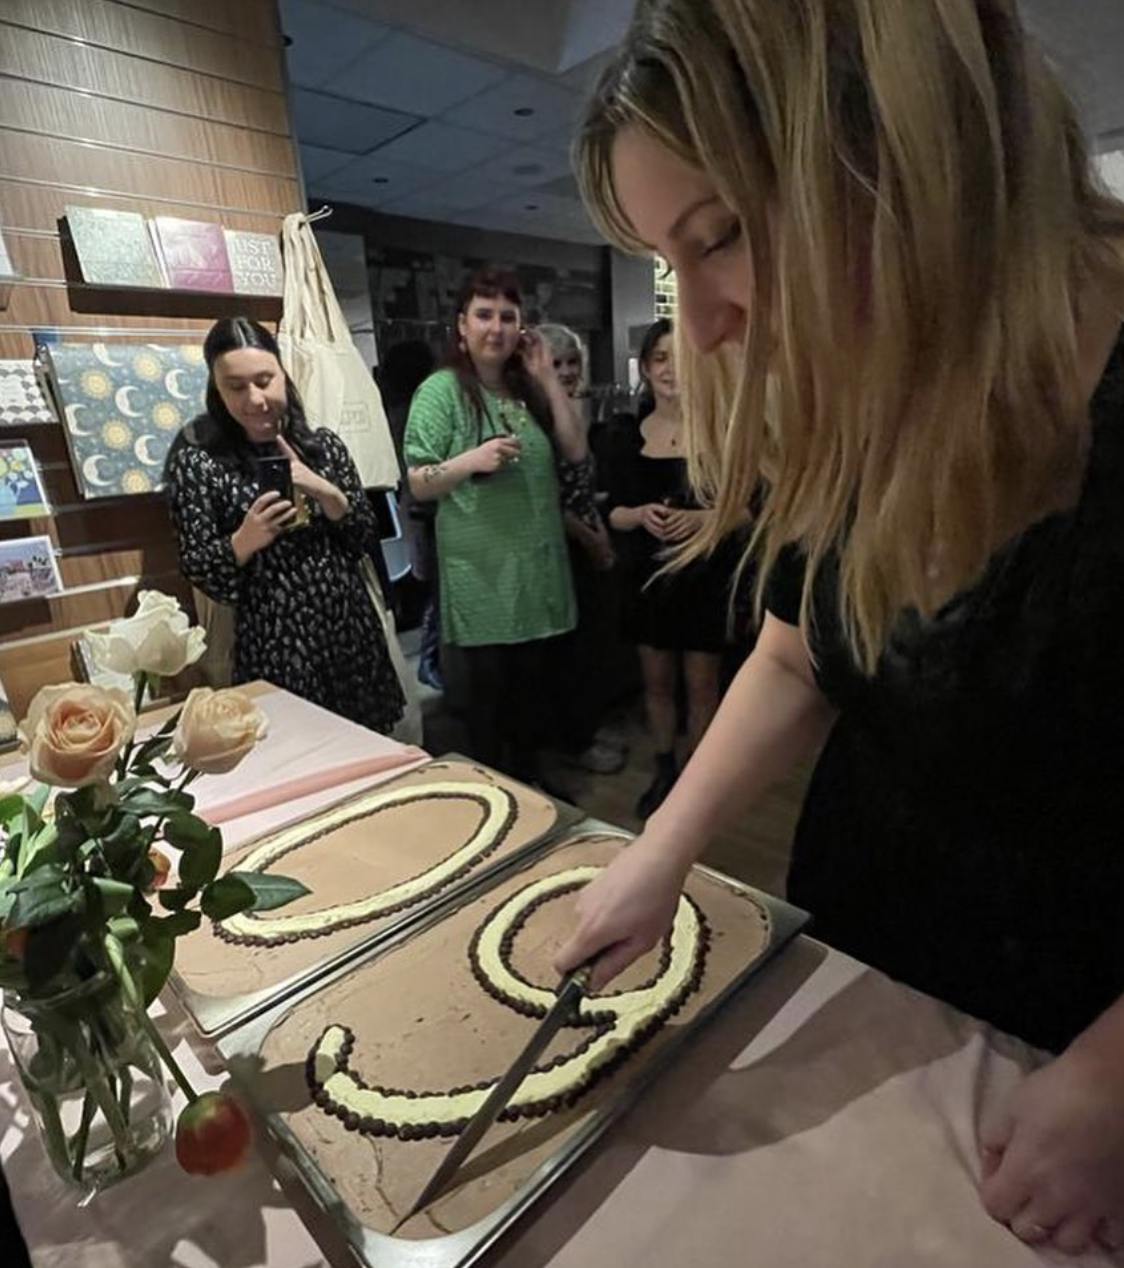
(166, 1056)
(125, 1093)
(81, 1136)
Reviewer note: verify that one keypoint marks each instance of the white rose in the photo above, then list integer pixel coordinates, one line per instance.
(156, 639)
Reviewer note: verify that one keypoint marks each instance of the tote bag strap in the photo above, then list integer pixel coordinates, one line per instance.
(292, 324)
(331, 323)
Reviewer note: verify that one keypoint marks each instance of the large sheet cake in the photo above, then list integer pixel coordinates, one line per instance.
(373, 1075)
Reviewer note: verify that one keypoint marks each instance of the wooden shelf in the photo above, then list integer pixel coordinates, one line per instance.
(157, 301)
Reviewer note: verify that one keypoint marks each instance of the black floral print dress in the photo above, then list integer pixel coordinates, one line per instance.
(303, 618)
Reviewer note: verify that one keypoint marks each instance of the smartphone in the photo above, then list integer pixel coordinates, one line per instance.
(275, 474)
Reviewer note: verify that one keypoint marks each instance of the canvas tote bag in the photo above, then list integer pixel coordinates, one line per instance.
(338, 392)
(317, 350)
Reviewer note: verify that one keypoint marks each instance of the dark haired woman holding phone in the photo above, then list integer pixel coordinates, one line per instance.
(482, 440)
(271, 518)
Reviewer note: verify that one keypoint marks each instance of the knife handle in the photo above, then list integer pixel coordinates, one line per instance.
(581, 977)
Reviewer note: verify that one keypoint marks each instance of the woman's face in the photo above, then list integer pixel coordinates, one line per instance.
(659, 370)
(490, 329)
(676, 210)
(568, 367)
(251, 383)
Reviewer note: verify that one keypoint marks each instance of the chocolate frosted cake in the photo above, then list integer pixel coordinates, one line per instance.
(364, 861)
(396, 1055)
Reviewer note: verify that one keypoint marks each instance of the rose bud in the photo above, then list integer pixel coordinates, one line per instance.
(213, 1134)
(162, 865)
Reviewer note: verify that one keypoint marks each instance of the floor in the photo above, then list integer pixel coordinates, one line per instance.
(754, 850)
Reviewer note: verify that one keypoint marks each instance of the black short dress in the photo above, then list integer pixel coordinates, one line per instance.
(964, 829)
(687, 610)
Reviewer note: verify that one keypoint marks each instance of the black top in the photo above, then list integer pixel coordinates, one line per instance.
(304, 619)
(685, 611)
(964, 830)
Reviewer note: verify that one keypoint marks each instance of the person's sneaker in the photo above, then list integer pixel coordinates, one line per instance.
(600, 759)
(429, 674)
(612, 737)
(667, 772)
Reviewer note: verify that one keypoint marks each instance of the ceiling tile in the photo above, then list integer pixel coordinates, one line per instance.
(525, 165)
(408, 73)
(468, 190)
(317, 162)
(443, 148)
(325, 40)
(335, 124)
(493, 110)
(378, 177)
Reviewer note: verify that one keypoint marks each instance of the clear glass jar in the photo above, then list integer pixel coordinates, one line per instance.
(95, 1082)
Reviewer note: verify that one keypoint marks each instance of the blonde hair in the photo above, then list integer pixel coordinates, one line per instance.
(559, 339)
(921, 220)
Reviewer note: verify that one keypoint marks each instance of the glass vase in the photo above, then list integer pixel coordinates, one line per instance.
(95, 1082)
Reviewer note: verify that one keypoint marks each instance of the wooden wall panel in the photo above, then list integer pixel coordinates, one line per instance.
(47, 59)
(41, 109)
(171, 107)
(250, 60)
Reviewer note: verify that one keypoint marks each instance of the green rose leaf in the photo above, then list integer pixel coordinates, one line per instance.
(227, 896)
(177, 898)
(42, 897)
(186, 830)
(199, 863)
(38, 797)
(182, 922)
(115, 895)
(146, 801)
(41, 849)
(10, 807)
(155, 957)
(269, 890)
(150, 750)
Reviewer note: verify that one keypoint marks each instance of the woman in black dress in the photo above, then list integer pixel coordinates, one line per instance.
(303, 616)
(904, 293)
(677, 620)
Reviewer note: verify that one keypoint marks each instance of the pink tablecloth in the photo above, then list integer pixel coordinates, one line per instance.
(826, 1119)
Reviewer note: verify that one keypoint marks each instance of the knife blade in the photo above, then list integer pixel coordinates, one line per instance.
(564, 1009)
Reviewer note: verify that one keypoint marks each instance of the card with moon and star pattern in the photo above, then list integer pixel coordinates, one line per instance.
(121, 406)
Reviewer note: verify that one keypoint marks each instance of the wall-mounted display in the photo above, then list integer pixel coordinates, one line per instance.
(113, 247)
(255, 262)
(22, 401)
(193, 253)
(122, 405)
(28, 569)
(21, 491)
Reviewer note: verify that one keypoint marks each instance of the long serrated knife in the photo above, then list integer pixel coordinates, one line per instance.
(562, 1012)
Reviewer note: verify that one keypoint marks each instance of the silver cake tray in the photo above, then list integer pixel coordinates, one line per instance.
(240, 1050)
(214, 1015)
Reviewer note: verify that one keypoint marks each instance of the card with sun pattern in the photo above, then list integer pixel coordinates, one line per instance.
(122, 404)
(21, 491)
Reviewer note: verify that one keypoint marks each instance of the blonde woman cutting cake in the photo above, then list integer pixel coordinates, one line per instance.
(901, 292)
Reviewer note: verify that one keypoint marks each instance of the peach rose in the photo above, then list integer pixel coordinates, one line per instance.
(74, 733)
(217, 729)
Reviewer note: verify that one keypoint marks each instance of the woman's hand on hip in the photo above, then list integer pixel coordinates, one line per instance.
(625, 911)
(1053, 1162)
(493, 455)
(263, 522)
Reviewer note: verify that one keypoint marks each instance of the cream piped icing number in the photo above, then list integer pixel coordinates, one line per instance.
(618, 1023)
(498, 812)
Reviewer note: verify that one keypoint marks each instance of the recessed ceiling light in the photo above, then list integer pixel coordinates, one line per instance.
(530, 206)
(287, 40)
(524, 112)
(527, 169)
(380, 180)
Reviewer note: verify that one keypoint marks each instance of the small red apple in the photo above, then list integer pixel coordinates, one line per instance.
(213, 1135)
